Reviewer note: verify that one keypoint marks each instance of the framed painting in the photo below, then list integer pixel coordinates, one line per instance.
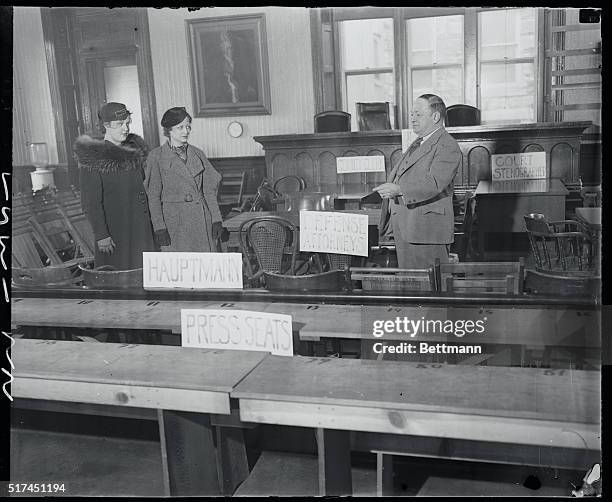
(229, 65)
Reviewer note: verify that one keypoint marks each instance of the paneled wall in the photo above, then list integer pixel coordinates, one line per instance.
(33, 120)
(290, 68)
(314, 156)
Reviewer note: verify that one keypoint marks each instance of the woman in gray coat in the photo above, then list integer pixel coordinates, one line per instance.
(182, 186)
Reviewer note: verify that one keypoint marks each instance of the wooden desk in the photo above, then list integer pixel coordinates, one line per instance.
(590, 216)
(501, 206)
(532, 407)
(233, 224)
(184, 385)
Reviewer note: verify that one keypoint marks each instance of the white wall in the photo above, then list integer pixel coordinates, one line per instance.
(33, 120)
(290, 69)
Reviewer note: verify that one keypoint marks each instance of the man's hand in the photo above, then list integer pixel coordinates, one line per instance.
(217, 228)
(388, 190)
(106, 245)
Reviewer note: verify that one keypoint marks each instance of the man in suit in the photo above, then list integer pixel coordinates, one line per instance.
(418, 194)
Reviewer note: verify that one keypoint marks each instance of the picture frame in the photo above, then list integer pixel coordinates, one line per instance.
(229, 65)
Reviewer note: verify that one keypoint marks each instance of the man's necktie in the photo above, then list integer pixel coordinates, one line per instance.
(411, 149)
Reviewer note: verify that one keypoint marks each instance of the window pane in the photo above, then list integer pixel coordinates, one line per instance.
(369, 87)
(366, 43)
(434, 40)
(507, 33)
(507, 92)
(445, 82)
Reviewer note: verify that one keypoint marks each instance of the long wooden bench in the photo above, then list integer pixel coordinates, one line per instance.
(184, 386)
(521, 328)
(536, 408)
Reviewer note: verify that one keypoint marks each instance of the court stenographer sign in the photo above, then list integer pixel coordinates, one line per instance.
(518, 166)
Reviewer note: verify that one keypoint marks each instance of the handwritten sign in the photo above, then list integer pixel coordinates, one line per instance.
(331, 232)
(192, 270)
(519, 186)
(360, 164)
(237, 330)
(408, 137)
(518, 166)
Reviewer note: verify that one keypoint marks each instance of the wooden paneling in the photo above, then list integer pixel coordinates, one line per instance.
(561, 142)
(254, 167)
(32, 105)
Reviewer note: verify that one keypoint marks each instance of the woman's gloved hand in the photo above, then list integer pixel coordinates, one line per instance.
(217, 229)
(106, 245)
(162, 237)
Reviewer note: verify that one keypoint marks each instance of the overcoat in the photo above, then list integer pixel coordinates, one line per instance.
(424, 213)
(183, 198)
(114, 199)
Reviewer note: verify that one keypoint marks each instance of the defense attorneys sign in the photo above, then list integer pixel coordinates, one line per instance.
(331, 232)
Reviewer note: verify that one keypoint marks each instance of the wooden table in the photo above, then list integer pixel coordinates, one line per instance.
(501, 206)
(233, 224)
(184, 385)
(527, 406)
(591, 217)
(531, 328)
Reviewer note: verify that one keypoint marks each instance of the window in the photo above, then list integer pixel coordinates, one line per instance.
(435, 57)
(366, 61)
(507, 50)
(484, 57)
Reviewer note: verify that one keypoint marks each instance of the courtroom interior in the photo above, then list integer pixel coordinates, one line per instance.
(290, 251)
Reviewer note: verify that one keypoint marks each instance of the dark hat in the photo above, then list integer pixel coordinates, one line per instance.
(113, 111)
(174, 116)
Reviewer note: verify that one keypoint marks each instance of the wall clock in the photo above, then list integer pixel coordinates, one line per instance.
(234, 129)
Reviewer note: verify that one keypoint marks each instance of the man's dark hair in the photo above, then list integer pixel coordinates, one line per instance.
(436, 104)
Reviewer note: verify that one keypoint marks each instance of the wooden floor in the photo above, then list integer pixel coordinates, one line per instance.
(88, 465)
(96, 466)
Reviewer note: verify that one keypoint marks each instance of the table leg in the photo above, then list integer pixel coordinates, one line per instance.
(233, 467)
(188, 448)
(384, 474)
(334, 452)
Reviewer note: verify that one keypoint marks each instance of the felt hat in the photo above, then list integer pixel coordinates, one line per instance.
(113, 111)
(174, 116)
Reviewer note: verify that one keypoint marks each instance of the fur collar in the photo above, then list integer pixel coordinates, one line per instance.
(105, 157)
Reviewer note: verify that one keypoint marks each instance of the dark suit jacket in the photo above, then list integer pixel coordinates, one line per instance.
(424, 214)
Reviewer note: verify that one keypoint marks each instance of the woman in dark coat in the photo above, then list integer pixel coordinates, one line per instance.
(112, 191)
(182, 187)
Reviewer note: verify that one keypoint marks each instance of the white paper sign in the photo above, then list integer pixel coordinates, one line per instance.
(237, 330)
(192, 270)
(360, 164)
(408, 137)
(519, 186)
(334, 232)
(518, 166)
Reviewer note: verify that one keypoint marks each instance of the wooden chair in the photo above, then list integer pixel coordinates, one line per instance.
(397, 280)
(559, 246)
(264, 241)
(373, 116)
(462, 115)
(288, 184)
(231, 188)
(465, 213)
(500, 278)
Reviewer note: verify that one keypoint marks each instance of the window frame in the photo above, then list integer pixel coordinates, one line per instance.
(471, 63)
